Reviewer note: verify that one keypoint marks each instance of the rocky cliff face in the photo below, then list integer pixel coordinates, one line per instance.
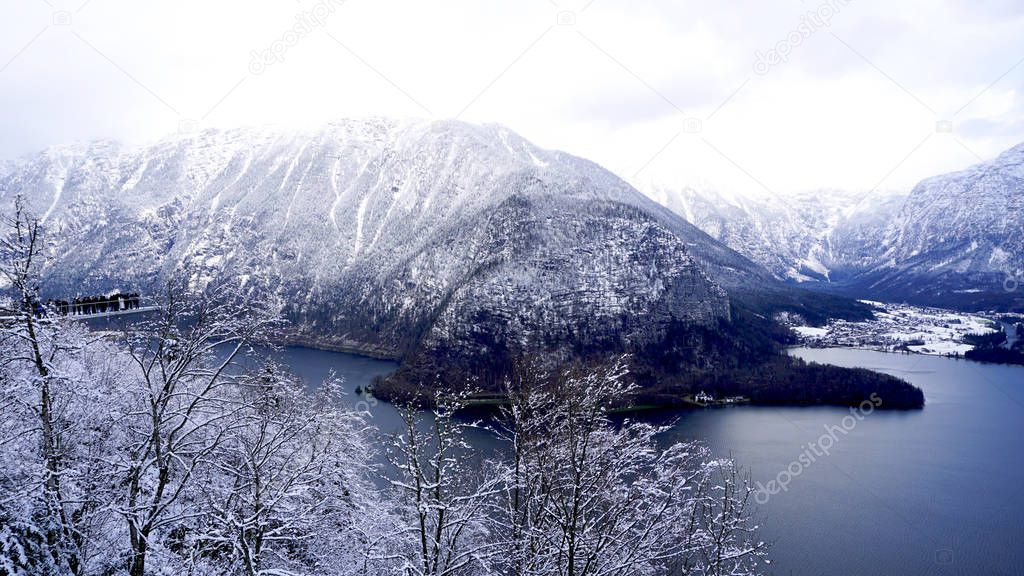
(553, 273)
(396, 238)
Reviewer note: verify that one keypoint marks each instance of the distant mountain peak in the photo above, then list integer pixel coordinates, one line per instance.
(954, 240)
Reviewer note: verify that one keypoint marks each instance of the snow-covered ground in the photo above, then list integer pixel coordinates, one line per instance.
(811, 331)
(902, 327)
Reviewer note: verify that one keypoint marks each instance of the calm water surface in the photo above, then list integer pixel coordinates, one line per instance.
(930, 492)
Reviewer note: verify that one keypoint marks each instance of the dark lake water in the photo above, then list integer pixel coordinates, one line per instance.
(935, 492)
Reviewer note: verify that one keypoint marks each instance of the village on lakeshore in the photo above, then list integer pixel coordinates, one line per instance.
(906, 328)
(702, 398)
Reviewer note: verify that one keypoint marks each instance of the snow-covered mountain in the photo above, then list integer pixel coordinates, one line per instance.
(955, 240)
(958, 236)
(386, 236)
(803, 237)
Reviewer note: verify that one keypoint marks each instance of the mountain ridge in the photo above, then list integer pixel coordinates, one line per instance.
(385, 226)
(954, 240)
(455, 248)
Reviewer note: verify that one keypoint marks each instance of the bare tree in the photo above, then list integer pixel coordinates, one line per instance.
(21, 259)
(446, 500)
(722, 534)
(589, 496)
(163, 443)
(165, 450)
(35, 343)
(181, 409)
(290, 480)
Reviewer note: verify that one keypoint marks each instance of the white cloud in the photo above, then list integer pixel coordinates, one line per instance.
(614, 82)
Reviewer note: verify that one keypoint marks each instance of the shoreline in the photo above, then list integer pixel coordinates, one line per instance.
(903, 352)
(645, 403)
(326, 345)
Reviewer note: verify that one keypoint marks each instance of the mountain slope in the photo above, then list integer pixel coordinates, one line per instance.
(459, 249)
(958, 238)
(386, 237)
(955, 240)
(804, 237)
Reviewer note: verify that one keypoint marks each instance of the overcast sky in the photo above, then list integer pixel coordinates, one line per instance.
(739, 95)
